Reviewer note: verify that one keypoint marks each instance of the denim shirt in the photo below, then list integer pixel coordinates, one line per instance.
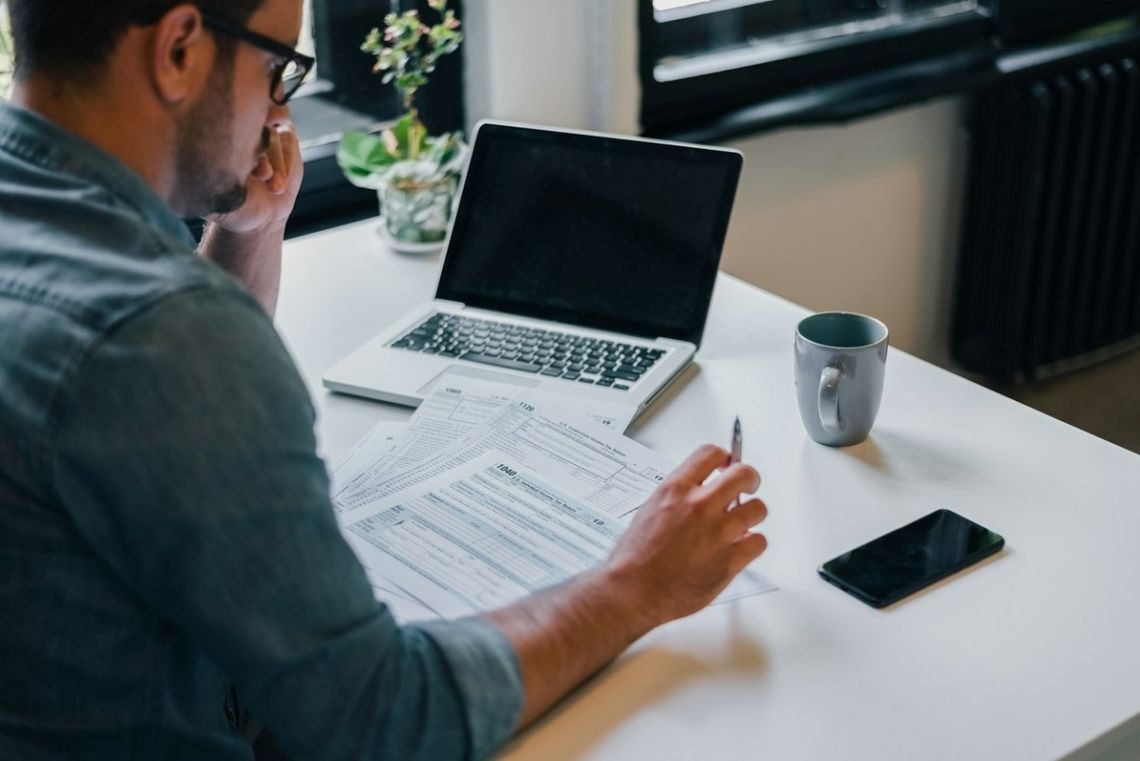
(166, 533)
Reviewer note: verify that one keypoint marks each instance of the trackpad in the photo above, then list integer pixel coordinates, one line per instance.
(480, 374)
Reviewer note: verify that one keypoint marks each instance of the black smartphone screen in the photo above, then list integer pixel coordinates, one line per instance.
(907, 559)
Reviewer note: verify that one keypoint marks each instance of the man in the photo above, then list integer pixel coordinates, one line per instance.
(169, 563)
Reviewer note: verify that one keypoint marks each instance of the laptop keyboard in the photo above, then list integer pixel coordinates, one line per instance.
(531, 350)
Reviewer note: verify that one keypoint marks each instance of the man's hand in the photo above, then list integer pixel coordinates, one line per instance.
(685, 544)
(247, 242)
(271, 190)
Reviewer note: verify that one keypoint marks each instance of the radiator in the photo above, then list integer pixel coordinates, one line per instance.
(1049, 265)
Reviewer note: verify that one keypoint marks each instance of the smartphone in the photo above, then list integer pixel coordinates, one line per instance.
(887, 569)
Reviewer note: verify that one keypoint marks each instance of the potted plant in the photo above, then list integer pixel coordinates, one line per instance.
(415, 174)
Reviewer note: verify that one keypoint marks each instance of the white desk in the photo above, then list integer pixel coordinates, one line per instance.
(1032, 655)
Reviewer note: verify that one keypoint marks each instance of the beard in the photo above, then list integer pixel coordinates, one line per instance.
(203, 142)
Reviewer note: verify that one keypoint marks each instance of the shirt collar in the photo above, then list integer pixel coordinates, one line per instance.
(49, 146)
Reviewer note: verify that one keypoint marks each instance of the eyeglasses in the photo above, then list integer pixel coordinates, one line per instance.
(288, 76)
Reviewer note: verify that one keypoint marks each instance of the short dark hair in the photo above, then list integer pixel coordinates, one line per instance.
(74, 39)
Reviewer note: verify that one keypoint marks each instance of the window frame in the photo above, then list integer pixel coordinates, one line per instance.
(888, 70)
(956, 45)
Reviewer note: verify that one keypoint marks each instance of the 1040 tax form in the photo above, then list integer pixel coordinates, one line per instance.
(533, 494)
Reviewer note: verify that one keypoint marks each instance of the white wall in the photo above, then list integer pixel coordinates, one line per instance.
(860, 217)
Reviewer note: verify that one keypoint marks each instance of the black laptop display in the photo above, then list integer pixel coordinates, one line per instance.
(596, 231)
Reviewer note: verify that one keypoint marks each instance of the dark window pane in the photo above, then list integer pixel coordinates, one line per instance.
(694, 37)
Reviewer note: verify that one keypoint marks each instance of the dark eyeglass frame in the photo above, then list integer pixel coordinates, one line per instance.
(287, 87)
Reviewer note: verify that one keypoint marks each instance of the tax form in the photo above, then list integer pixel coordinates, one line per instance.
(460, 403)
(374, 447)
(457, 404)
(484, 536)
(527, 500)
(460, 418)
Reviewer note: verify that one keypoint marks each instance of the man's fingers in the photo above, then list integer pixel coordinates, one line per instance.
(294, 162)
(700, 464)
(290, 145)
(745, 515)
(276, 156)
(734, 481)
(746, 549)
(264, 170)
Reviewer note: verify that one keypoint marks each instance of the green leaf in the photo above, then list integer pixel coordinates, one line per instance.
(362, 157)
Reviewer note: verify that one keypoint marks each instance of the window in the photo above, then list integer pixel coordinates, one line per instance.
(344, 94)
(700, 57)
(703, 36)
(712, 69)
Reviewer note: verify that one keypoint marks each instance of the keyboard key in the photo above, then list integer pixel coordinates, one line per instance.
(510, 364)
(620, 387)
(531, 349)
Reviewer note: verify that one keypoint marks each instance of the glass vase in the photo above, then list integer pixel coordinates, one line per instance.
(417, 212)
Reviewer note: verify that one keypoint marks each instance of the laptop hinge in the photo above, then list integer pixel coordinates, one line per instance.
(452, 304)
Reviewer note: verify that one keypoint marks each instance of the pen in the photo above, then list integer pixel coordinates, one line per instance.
(737, 443)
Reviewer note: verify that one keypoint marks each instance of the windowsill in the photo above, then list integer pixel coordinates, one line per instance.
(905, 85)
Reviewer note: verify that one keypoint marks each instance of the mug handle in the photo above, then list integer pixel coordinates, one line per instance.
(829, 399)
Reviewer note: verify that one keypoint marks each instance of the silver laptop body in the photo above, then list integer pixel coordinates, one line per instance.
(579, 261)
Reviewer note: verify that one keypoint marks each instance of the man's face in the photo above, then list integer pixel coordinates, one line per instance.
(221, 138)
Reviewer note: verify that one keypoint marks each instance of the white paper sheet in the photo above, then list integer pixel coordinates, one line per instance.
(457, 404)
(374, 447)
(548, 434)
(400, 602)
(480, 536)
(491, 531)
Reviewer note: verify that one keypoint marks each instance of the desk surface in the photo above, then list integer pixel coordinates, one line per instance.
(1031, 655)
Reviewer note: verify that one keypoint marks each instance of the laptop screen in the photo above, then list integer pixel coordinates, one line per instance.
(613, 233)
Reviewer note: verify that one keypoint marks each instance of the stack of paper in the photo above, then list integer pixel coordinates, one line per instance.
(492, 492)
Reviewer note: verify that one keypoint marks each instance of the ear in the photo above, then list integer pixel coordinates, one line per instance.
(183, 55)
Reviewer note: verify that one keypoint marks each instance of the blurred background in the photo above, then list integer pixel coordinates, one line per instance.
(965, 170)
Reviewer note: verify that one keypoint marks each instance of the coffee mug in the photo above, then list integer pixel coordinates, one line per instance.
(841, 361)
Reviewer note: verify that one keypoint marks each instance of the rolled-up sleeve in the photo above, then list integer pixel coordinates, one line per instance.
(486, 672)
(184, 452)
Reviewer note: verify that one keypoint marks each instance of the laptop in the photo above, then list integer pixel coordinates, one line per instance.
(581, 261)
